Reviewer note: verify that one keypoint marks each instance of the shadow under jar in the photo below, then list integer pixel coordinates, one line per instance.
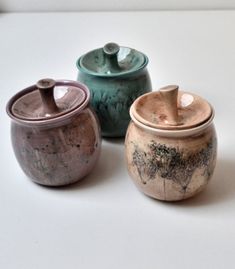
(55, 134)
(116, 76)
(171, 144)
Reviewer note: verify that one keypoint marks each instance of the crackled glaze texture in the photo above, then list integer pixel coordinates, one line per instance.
(111, 98)
(60, 153)
(168, 168)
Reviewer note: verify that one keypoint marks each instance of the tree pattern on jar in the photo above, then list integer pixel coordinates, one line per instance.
(170, 163)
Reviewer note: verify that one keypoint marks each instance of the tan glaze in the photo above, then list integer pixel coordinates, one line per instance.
(169, 96)
(59, 150)
(170, 165)
(171, 109)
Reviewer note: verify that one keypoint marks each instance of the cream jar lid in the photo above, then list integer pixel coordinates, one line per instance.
(171, 109)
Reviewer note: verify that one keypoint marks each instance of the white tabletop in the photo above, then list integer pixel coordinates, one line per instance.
(104, 221)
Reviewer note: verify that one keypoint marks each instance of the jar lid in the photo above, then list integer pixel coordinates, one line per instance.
(48, 99)
(112, 60)
(171, 109)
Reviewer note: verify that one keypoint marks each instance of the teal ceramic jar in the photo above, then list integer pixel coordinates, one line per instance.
(116, 76)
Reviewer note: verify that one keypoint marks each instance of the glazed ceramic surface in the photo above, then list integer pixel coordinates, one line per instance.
(58, 146)
(170, 164)
(116, 76)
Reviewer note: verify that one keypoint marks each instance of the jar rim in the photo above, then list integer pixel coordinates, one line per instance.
(174, 133)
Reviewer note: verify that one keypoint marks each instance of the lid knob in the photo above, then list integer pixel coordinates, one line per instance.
(111, 49)
(46, 89)
(111, 60)
(169, 95)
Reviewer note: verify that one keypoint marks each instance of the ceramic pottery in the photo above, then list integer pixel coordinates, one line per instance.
(171, 144)
(116, 76)
(55, 134)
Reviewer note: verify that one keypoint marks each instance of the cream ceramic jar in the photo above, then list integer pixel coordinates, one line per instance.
(171, 144)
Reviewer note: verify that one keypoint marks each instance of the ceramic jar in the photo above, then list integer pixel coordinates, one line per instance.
(171, 144)
(55, 134)
(116, 76)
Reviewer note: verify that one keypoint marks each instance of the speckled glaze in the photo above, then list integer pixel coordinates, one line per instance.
(60, 150)
(112, 95)
(111, 98)
(171, 165)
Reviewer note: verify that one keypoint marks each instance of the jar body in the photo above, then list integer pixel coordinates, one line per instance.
(170, 168)
(111, 98)
(58, 154)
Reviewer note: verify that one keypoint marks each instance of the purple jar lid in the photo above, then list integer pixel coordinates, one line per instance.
(48, 100)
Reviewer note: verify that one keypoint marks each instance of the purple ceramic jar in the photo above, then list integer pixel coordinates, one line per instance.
(55, 134)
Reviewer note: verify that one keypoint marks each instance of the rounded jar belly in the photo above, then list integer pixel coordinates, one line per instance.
(170, 168)
(58, 154)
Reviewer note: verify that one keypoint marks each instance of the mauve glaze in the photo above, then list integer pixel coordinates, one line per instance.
(59, 152)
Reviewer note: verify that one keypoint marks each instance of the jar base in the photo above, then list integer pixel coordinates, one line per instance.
(58, 185)
(175, 200)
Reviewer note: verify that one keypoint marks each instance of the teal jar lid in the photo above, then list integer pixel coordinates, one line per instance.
(112, 60)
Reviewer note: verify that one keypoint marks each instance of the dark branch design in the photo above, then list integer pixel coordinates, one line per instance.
(171, 164)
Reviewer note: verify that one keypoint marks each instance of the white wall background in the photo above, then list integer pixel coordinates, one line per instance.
(109, 5)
